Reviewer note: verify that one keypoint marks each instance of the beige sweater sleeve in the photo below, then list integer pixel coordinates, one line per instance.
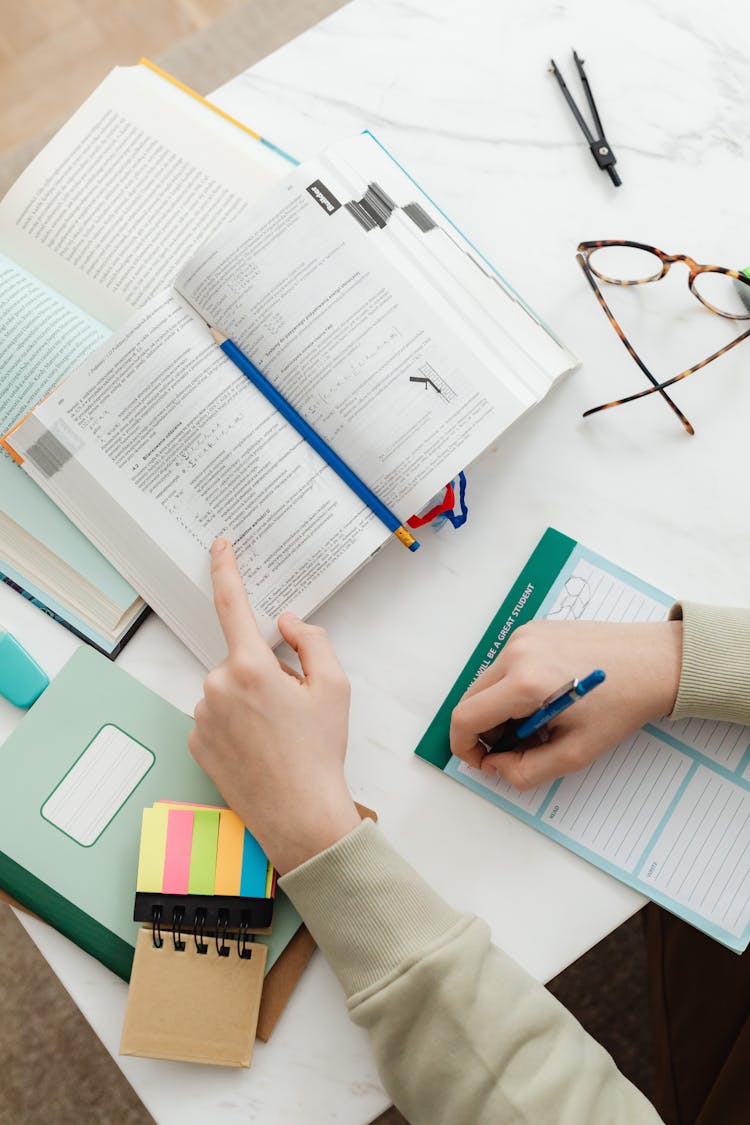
(715, 677)
(462, 1035)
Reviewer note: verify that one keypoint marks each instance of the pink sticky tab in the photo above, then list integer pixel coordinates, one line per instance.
(177, 853)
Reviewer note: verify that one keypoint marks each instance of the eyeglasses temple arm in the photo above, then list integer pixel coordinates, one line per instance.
(673, 380)
(629, 347)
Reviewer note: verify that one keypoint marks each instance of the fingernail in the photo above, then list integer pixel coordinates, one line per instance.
(218, 545)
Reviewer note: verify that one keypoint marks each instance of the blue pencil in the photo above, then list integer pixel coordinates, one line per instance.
(342, 470)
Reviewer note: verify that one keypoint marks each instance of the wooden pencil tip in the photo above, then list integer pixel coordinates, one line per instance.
(219, 337)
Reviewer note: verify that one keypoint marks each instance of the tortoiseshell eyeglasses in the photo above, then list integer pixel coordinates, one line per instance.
(619, 262)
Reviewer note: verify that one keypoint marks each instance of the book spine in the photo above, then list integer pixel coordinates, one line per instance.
(109, 653)
(70, 920)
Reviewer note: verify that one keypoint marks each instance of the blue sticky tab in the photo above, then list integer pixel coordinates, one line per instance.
(254, 868)
(22, 681)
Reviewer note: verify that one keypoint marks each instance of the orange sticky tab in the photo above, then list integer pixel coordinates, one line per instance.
(229, 854)
(6, 444)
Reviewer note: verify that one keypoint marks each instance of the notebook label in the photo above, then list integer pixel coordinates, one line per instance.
(97, 785)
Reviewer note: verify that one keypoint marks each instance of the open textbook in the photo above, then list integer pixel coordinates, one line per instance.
(141, 175)
(667, 811)
(371, 314)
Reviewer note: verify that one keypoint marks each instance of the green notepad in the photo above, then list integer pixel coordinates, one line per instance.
(667, 810)
(75, 776)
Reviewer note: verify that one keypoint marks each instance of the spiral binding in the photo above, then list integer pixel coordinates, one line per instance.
(243, 939)
(178, 913)
(199, 922)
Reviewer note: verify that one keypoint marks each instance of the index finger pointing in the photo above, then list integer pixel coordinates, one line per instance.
(236, 618)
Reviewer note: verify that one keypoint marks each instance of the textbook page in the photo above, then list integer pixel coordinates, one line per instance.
(158, 443)
(360, 346)
(408, 228)
(667, 811)
(137, 178)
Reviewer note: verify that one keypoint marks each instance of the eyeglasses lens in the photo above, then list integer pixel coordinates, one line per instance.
(625, 264)
(723, 294)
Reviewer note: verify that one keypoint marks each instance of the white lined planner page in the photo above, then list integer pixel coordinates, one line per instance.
(701, 859)
(592, 594)
(725, 743)
(615, 805)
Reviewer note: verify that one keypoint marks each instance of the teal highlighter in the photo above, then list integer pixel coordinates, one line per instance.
(22, 681)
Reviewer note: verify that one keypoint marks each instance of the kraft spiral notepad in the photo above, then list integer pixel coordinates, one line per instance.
(193, 1007)
(197, 979)
(197, 990)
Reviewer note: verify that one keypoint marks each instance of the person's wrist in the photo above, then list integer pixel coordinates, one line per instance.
(661, 656)
(668, 667)
(323, 824)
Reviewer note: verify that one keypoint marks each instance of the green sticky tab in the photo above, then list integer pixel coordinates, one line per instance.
(203, 852)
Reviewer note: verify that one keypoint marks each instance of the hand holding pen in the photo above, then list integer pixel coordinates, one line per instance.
(642, 663)
(517, 731)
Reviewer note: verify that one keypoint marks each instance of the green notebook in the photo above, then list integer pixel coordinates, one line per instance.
(75, 776)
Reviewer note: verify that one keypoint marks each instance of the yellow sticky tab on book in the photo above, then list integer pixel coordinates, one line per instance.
(152, 849)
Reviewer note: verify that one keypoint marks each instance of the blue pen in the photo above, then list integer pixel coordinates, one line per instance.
(347, 475)
(519, 730)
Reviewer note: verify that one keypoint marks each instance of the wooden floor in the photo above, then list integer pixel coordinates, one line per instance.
(54, 52)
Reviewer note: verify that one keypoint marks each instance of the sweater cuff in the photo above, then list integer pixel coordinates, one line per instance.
(715, 674)
(367, 909)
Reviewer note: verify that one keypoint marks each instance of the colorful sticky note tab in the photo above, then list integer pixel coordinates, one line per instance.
(254, 868)
(203, 852)
(229, 854)
(151, 851)
(177, 855)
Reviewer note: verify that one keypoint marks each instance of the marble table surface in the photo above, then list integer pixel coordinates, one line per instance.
(461, 94)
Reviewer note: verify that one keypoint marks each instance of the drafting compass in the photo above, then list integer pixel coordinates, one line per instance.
(601, 150)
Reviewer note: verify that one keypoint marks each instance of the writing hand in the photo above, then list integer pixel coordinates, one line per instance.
(642, 664)
(273, 742)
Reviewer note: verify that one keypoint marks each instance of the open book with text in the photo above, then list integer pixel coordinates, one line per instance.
(368, 310)
(139, 177)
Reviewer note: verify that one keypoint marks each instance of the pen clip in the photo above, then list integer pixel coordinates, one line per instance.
(566, 689)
